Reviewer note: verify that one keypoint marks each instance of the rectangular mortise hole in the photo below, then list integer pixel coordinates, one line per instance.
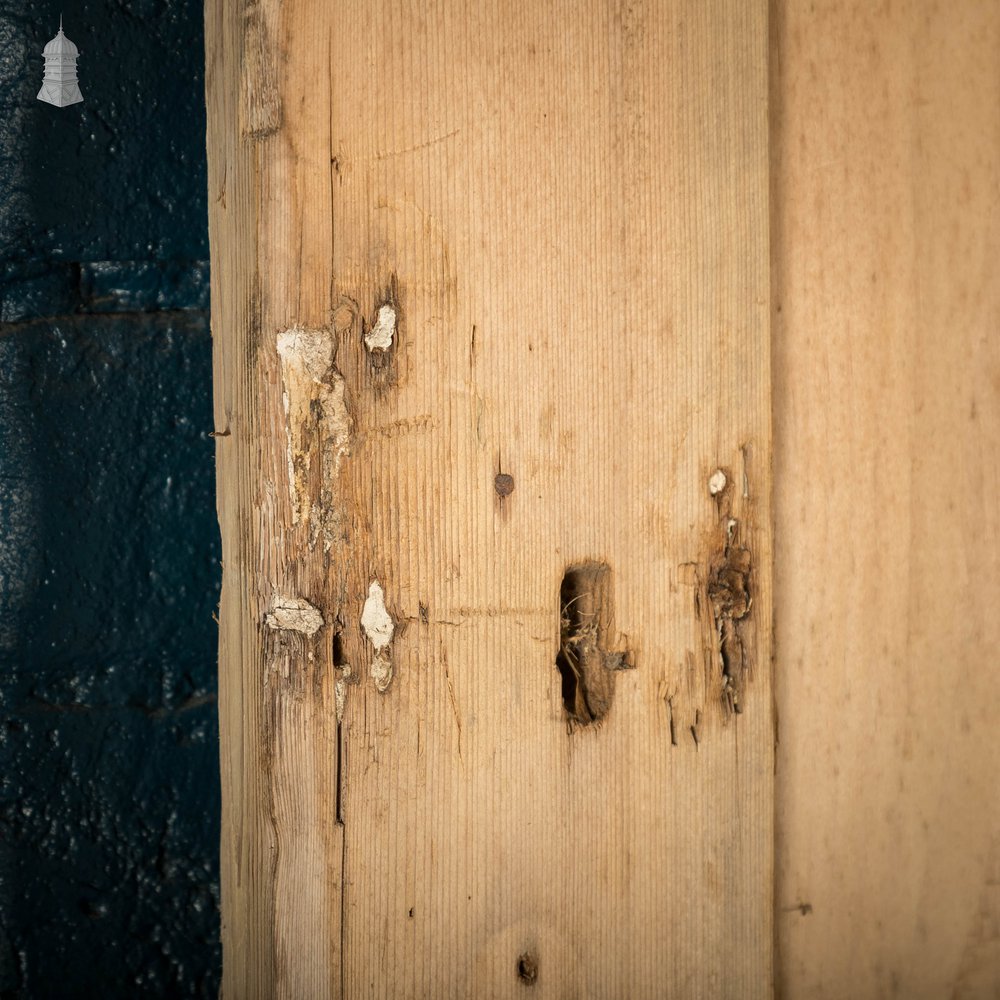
(585, 614)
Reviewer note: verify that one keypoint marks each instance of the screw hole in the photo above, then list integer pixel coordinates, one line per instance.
(527, 969)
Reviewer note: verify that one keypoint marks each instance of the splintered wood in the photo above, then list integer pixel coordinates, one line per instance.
(490, 307)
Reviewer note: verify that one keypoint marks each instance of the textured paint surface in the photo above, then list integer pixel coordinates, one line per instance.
(108, 545)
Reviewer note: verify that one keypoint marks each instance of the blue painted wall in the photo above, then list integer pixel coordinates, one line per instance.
(109, 554)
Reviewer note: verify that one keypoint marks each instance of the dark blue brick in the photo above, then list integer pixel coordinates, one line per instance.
(109, 571)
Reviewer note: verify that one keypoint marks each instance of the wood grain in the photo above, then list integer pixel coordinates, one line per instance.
(564, 206)
(886, 158)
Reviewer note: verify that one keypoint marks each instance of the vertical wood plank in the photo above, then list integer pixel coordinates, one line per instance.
(887, 403)
(464, 241)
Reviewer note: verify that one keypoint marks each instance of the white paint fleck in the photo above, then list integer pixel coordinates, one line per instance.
(716, 482)
(381, 671)
(340, 692)
(379, 628)
(379, 337)
(375, 619)
(294, 614)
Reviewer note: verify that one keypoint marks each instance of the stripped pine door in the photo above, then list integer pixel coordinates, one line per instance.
(491, 311)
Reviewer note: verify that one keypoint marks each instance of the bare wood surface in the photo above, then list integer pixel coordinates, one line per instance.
(886, 156)
(490, 300)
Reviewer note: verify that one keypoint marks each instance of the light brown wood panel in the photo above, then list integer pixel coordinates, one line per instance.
(563, 209)
(886, 156)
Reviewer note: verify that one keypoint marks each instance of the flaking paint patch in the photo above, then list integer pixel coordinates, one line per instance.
(375, 619)
(381, 671)
(379, 337)
(379, 627)
(294, 614)
(340, 692)
(318, 428)
(717, 482)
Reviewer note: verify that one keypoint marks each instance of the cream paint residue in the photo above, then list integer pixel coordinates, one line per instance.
(717, 482)
(294, 614)
(340, 693)
(379, 337)
(310, 377)
(375, 619)
(381, 671)
(379, 627)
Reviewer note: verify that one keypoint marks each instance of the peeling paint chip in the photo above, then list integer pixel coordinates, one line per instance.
(310, 352)
(381, 671)
(315, 399)
(293, 614)
(379, 628)
(340, 693)
(379, 337)
(375, 619)
(716, 482)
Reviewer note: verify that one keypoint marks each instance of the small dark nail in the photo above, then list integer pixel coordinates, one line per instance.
(503, 484)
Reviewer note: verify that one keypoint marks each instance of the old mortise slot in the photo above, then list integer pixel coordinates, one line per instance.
(585, 663)
(339, 660)
(343, 671)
